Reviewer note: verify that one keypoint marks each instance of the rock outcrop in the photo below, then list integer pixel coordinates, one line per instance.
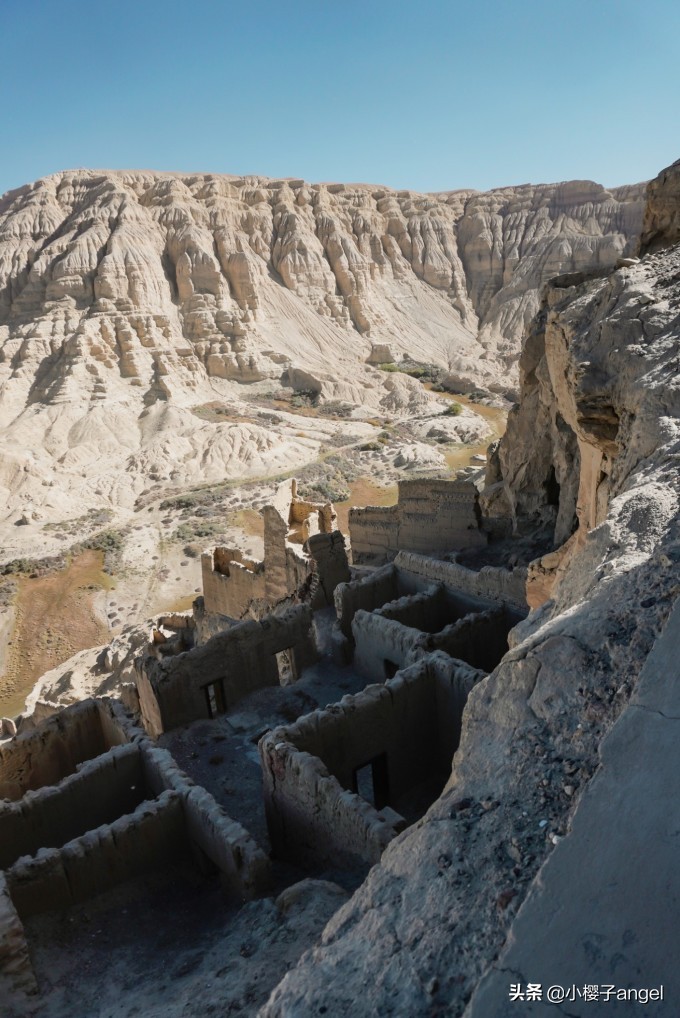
(157, 279)
(590, 455)
(127, 298)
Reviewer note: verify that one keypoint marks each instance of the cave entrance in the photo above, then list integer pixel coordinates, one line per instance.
(370, 781)
(552, 488)
(390, 668)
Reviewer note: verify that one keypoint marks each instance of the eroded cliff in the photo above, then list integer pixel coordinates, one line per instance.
(591, 456)
(127, 299)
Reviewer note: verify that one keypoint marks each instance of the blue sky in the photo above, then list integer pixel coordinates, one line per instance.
(432, 96)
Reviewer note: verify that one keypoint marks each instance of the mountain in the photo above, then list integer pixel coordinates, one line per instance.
(129, 299)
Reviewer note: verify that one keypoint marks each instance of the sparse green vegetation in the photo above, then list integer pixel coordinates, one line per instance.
(303, 398)
(92, 519)
(110, 542)
(8, 589)
(335, 408)
(200, 498)
(452, 410)
(328, 481)
(193, 529)
(33, 566)
(389, 366)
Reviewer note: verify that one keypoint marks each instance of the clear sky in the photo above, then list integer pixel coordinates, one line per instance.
(430, 95)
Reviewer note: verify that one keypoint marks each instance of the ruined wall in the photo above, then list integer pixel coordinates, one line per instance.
(243, 659)
(380, 644)
(153, 836)
(230, 581)
(46, 755)
(308, 767)
(464, 591)
(373, 534)
(427, 610)
(505, 586)
(244, 868)
(481, 638)
(102, 790)
(431, 516)
(367, 593)
(300, 539)
(129, 809)
(331, 566)
(16, 971)
(275, 559)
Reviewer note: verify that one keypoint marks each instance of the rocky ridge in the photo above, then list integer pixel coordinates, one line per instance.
(591, 456)
(128, 299)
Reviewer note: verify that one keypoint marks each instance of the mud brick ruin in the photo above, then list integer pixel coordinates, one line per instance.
(301, 544)
(91, 802)
(93, 794)
(431, 516)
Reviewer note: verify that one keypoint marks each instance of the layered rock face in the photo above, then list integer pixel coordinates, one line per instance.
(596, 377)
(160, 277)
(590, 455)
(128, 297)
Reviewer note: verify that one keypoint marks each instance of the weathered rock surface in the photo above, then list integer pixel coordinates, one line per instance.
(661, 224)
(129, 298)
(592, 448)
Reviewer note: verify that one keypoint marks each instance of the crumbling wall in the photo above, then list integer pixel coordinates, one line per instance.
(47, 754)
(242, 659)
(102, 790)
(505, 586)
(309, 767)
(300, 537)
(16, 971)
(244, 868)
(480, 638)
(382, 645)
(432, 516)
(208, 624)
(275, 558)
(373, 534)
(230, 581)
(153, 836)
(367, 593)
(298, 567)
(427, 610)
(438, 516)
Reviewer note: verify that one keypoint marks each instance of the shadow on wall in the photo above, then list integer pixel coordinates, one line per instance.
(341, 782)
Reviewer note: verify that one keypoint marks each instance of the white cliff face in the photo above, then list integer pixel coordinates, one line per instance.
(126, 298)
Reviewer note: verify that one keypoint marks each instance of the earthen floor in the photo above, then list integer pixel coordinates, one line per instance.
(222, 756)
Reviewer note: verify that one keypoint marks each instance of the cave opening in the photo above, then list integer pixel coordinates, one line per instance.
(552, 488)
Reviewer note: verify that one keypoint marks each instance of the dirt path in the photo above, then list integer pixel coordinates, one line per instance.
(55, 616)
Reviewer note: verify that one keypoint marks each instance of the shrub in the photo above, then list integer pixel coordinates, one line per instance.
(453, 410)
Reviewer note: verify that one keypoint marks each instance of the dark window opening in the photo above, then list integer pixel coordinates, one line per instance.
(370, 781)
(391, 668)
(214, 698)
